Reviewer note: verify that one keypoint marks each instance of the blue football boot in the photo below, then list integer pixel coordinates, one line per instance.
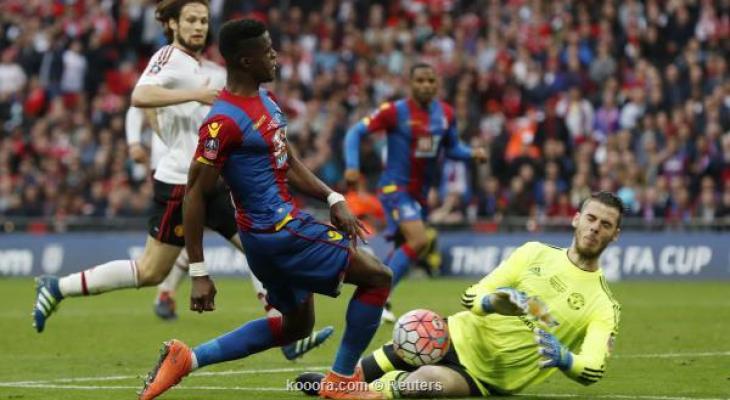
(302, 346)
(47, 298)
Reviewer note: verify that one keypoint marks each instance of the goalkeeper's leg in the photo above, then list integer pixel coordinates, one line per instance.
(429, 381)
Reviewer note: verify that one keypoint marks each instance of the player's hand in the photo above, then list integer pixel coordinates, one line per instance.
(202, 294)
(138, 153)
(508, 301)
(479, 154)
(553, 352)
(207, 95)
(352, 176)
(343, 220)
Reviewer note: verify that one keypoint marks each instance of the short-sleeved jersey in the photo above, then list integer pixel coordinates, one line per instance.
(173, 68)
(501, 350)
(245, 138)
(416, 139)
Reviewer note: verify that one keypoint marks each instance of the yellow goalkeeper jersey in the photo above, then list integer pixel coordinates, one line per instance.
(501, 351)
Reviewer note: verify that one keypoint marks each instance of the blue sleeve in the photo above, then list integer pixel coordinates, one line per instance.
(455, 148)
(352, 145)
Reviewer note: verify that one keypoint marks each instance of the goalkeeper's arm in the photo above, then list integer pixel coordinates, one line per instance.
(586, 367)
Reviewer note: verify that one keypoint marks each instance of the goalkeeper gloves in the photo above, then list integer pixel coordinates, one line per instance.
(553, 352)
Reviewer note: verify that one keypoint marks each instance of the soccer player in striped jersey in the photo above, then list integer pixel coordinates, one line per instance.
(179, 85)
(420, 130)
(244, 140)
(498, 347)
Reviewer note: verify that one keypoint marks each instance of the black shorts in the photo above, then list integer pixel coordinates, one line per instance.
(165, 223)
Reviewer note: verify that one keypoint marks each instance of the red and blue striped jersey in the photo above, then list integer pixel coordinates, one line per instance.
(416, 139)
(245, 138)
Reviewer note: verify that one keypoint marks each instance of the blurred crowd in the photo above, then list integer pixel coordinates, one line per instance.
(568, 97)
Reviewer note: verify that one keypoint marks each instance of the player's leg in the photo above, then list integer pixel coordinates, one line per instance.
(178, 360)
(429, 381)
(148, 270)
(299, 347)
(164, 306)
(362, 319)
(162, 248)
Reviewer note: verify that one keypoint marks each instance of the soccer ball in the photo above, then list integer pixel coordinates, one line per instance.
(420, 337)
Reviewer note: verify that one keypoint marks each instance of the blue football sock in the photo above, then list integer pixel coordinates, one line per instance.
(251, 338)
(363, 319)
(399, 263)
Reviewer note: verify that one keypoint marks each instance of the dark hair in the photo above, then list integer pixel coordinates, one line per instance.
(171, 9)
(419, 65)
(232, 35)
(609, 199)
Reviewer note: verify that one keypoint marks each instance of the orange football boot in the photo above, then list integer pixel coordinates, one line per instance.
(336, 386)
(174, 364)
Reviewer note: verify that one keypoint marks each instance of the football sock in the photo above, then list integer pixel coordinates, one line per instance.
(363, 319)
(253, 337)
(383, 360)
(401, 260)
(113, 275)
(176, 275)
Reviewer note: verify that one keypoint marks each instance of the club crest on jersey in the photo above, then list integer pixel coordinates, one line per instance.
(213, 129)
(210, 149)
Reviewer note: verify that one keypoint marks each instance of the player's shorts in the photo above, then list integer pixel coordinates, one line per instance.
(399, 207)
(166, 222)
(303, 257)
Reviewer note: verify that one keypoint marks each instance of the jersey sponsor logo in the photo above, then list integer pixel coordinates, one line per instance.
(213, 129)
(334, 236)
(280, 153)
(210, 150)
(427, 146)
(557, 284)
(576, 301)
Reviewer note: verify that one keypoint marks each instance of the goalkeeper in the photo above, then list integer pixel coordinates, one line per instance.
(543, 309)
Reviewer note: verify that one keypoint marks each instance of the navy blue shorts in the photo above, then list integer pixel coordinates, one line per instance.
(399, 207)
(304, 257)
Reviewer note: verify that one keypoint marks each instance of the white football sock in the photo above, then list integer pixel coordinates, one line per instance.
(176, 275)
(113, 275)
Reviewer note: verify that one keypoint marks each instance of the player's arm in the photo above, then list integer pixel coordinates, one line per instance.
(218, 136)
(305, 181)
(383, 118)
(150, 96)
(458, 150)
(153, 89)
(589, 365)
(134, 121)
(495, 293)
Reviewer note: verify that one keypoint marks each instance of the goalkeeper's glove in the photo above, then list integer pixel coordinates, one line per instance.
(505, 301)
(553, 352)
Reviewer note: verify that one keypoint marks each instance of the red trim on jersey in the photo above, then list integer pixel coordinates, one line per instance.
(418, 125)
(408, 251)
(164, 56)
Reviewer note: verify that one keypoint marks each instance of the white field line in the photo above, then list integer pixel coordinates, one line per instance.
(126, 377)
(675, 355)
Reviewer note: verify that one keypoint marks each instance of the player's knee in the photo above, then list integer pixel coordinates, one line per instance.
(148, 276)
(418, 243)
(298, 330)
(382, 277)
(426, 373)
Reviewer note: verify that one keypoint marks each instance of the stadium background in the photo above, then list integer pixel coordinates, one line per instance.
(567, 96)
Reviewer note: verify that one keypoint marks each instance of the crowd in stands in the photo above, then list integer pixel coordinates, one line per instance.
(568, 97)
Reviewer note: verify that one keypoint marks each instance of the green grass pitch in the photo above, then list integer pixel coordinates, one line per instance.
(674, 343)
